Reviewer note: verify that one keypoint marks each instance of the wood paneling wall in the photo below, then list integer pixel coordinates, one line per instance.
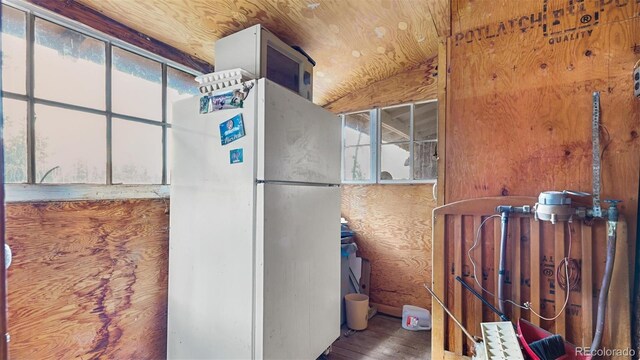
(88, 279)
(519, 103)
(519, 97)
(393, 227)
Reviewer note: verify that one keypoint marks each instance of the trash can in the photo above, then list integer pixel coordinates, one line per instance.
(357, 311)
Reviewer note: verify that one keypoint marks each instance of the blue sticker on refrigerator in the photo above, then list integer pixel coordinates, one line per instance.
(232, 130)
(235, 156)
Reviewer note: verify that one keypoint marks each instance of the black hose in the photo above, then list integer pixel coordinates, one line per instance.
(500, 314)
(606, 283)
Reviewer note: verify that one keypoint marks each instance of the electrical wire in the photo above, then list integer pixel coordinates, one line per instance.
(636, 65)
(527, 305)
(473, 263)
(568, 290)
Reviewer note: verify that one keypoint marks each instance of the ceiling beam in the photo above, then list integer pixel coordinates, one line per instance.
(83, 14)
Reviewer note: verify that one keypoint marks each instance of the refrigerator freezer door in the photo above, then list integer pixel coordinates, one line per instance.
(301, 140)
(210, 310)
(301, 257)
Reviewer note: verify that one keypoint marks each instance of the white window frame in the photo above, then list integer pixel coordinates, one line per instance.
(376, 146)
(373, 148)
(32, 190)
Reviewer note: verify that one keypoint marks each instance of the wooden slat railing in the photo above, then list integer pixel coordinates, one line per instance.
(535, 250)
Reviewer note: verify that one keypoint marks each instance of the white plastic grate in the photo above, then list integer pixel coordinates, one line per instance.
(221, 79)
(500, 341)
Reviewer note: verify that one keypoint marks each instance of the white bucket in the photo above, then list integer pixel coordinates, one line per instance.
(415, 318)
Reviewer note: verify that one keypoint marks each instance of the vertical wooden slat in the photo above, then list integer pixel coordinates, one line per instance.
(439, 270)
(457, 288)
(476, 318)
(560, 295)
(515, 270)
(587, 285)
(534, 248)
(496, 261)
(442, 111)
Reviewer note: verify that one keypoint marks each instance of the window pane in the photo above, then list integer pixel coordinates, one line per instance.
(394, 161)
(357, 129)
(395, 122)
(425, 164)
(137, 152)
(180, 85)
(70, 144)
(15, 140)
(14, 50)
(137, 85)
(425, 121)
(69, 67)
(357, 163)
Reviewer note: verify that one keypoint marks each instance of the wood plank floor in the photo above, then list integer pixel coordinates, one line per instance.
(383, 339)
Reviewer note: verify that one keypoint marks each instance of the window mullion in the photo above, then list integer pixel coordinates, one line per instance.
(165, 168)
(342, 148)
(376, 138)
(411, 147)
(31, 118)
(109, 117)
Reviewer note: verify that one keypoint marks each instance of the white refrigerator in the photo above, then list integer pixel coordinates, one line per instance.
(254, 249)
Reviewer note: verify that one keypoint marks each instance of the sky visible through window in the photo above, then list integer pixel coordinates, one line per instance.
(71, 144)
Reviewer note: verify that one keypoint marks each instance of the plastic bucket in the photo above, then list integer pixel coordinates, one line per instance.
(357, 311)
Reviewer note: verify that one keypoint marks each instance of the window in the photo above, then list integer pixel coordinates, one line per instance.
(396, 144)
(357, 152)
(81, 109)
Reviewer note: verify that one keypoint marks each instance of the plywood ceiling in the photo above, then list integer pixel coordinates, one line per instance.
(354, 42)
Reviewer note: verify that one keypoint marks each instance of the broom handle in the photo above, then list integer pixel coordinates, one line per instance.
(501, 315)
(450, 314)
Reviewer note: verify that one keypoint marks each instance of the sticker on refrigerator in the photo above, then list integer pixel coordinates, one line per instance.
(232, 130)
(229, 100)
(235, 156)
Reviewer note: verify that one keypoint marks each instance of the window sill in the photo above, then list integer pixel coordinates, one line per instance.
(391, 182)
(73, 192)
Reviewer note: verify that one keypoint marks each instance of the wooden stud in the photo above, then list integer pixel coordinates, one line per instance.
(438, 259)
(534, 248)
(476, 317)
(497, 231)
(560, 295)
(457, 297)
(443, 50)
(516, 273)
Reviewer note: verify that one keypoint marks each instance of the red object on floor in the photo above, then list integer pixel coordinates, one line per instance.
(528, 333)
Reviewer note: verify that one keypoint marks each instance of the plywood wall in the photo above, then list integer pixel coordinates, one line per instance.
(519, 96)
(393, 226)
(88, 279)
(519, 101)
